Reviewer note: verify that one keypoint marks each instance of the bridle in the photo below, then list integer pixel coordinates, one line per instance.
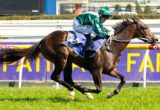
(140, 29)
(142, 32)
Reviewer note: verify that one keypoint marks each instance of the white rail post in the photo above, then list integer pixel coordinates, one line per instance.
(20, 73)
(145, 69)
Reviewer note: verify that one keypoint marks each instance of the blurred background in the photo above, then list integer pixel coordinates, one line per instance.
(57, 7)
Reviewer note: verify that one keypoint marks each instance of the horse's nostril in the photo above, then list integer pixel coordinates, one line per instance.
(155, 39)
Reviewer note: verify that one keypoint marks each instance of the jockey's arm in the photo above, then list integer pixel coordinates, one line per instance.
(98, 28)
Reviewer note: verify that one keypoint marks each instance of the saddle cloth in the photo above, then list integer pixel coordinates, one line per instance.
(76, 41)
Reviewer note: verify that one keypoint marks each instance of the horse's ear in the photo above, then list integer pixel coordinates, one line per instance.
(127, 20)
(134, 20)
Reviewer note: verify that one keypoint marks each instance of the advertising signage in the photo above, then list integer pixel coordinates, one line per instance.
(131, 65)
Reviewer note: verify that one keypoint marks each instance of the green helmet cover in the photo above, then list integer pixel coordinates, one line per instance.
(105, 11)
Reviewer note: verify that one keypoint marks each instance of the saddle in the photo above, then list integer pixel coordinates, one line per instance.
(77, 42)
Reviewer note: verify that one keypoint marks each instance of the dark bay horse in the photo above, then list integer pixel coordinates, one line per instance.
(104, 61)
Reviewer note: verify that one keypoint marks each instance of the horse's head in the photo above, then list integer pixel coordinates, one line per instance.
(133, 28)
(143, 32)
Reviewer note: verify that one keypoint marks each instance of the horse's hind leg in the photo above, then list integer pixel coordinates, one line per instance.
(56, 77)
(68, 78)
(118, 75)
(60, 63)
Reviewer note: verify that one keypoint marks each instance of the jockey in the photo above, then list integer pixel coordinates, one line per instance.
(90, 24)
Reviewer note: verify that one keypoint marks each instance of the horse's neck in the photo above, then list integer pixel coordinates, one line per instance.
(122, 37)
(116, 48)
(120, 41)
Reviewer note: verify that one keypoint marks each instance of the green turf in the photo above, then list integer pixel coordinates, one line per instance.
(48, 98)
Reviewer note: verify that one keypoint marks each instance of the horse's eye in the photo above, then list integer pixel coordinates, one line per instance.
(145, 27)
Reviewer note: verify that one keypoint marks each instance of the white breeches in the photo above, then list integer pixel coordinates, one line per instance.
(87, 29)
(84, 29)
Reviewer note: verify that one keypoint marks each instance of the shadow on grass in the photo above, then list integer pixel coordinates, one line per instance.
(65, 100)
(29, 99)
(26, 99)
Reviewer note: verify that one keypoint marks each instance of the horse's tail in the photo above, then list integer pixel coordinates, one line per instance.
(12, 55)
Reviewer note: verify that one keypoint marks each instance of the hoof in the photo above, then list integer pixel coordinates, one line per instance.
(71, 95)
(110, 95)
(113, 93)
(89, 96)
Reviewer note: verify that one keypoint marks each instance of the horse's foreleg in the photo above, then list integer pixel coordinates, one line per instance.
(118, 75)
(96, 74)
(97, 78)
(69, 80)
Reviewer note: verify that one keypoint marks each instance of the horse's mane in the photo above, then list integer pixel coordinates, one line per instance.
(123, 24)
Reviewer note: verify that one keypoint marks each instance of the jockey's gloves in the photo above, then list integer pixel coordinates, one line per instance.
(93, 35)
(111, 33)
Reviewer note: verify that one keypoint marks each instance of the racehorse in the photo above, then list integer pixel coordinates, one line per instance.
(103, 62)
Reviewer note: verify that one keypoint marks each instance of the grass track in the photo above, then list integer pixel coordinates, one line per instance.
(48, 98)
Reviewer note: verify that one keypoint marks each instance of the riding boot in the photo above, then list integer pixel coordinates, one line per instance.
(88, 46)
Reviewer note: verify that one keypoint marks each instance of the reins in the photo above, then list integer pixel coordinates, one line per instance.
(112, 38)
(119, 41)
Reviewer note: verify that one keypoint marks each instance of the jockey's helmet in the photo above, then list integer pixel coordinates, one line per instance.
(105, 11)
